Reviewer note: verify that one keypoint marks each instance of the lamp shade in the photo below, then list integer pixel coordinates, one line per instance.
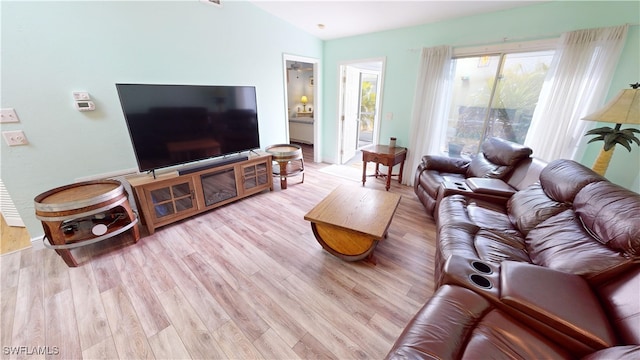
(304, 100)
(623, 109)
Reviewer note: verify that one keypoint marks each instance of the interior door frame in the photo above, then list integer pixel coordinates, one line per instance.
(317, 108)
(378, 116)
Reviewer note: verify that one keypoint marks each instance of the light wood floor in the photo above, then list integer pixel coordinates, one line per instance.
(244, 281)
(12, 238)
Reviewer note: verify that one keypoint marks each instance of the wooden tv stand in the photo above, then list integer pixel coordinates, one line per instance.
(170, 197)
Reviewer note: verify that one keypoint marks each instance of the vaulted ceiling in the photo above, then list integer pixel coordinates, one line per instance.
(330, 19)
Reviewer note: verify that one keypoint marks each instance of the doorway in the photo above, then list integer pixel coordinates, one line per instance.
(301, 76)
(359, 107)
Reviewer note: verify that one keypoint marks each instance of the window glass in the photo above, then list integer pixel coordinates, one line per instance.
(494, 95)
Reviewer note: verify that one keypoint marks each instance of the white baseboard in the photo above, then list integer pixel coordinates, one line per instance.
(36, 243)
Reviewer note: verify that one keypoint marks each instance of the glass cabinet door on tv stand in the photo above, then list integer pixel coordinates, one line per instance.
(175, 198)
(255, 176)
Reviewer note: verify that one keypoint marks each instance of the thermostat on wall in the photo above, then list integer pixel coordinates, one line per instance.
(83, 101)
(85, 105)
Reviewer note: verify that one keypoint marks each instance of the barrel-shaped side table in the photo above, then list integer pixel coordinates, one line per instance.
(84, 213)
(287, 157)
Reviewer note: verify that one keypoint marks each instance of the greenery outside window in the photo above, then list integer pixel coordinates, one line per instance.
(494, 95)
(368, 93)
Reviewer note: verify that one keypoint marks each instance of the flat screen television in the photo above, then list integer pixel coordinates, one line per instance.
(176, 124)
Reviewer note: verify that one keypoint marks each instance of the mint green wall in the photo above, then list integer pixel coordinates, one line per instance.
(400, 47)
(50, 49)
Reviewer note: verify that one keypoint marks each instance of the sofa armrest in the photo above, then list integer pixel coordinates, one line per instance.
(561, 300)
(445, 164)
(441, 326)
(490, 186)
(493, 194)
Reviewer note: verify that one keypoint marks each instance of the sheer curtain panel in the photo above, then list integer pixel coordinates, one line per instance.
(429, 107)
(576, 85)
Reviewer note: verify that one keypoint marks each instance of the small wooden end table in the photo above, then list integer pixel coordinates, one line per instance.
(385, 155)
(350, 221)
(285, 155)
(84, 213)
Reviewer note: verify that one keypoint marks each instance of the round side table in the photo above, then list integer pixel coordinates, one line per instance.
(289, 159)
(84, 213)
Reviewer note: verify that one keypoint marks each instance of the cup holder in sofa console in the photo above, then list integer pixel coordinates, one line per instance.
(481, 267)
(480, 281)
(474, 274)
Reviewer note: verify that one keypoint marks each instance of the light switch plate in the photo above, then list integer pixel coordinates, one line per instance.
(8, 115)
(81, 96)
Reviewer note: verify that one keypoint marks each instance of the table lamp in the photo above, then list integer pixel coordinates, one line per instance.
(304, 101)
(622, 109)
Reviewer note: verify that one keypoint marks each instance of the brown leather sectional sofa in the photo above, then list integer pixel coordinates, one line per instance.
(550, 269)
(499, 159)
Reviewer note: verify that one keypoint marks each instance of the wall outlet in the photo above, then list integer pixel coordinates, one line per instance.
(15, 138)
(8, 116)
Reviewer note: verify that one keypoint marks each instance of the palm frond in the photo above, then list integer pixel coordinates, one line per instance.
(613, 136)
(622, 142)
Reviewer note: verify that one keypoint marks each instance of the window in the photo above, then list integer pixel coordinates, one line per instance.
(494, 95)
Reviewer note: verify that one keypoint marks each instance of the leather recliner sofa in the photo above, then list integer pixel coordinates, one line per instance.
(500, 159)
(569, 322)
(571, 220)
(553, 271)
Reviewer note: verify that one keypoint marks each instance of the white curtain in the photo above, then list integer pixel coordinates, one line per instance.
(576, 85)
(429, 107)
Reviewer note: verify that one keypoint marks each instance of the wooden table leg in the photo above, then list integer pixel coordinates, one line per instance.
(65, 254)
(401, 171)
(131, 216)
(364, 172)
(283, 174)
(389, 170)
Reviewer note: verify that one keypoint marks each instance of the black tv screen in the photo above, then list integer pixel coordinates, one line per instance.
(175, 124)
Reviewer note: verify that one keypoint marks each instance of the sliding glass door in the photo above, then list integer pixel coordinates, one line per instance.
(494, 95)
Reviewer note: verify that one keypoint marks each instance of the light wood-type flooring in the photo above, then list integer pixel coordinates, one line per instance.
(244, 281)
(12, 238)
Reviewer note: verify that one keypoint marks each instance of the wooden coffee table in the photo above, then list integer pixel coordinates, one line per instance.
(350, 221)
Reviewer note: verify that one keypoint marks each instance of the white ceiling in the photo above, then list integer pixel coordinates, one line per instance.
(355, 17)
